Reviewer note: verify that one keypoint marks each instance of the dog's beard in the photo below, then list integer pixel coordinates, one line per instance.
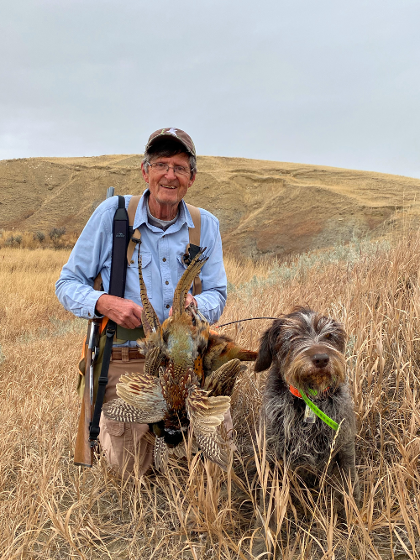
(301, 373)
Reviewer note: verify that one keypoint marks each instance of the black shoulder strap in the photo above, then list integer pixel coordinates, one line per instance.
(120, 234)
(120, 238)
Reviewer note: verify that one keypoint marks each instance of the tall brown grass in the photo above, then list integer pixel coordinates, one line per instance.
(55, 238)
(51, 509)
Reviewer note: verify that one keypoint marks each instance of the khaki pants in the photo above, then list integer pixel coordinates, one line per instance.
(124, 444)
(128, 446)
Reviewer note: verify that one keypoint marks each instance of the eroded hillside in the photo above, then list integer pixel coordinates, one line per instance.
(264, 207)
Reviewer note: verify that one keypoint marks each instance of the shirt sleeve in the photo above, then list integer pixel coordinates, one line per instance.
(74, 288)
(212, 300)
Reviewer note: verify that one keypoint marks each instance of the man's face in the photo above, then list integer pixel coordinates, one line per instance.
(166, 187)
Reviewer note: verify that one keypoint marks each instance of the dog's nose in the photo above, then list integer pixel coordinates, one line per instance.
(320, 360)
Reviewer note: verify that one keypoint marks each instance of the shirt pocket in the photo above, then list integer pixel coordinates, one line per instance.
(181, 266)
(146, 271)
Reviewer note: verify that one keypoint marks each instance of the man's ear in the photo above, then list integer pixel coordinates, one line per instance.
(145, 174)
(192, 180)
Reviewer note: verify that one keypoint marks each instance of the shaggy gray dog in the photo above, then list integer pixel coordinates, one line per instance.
(305, 353)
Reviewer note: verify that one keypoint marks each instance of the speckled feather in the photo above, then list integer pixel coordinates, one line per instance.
(206, 415)
(222, 381)
(160, 454)
(144, 392)
(121, 411)
(153, 360)
(149, 318)
(193, 269)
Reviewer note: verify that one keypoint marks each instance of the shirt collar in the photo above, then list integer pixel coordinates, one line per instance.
(184, 217)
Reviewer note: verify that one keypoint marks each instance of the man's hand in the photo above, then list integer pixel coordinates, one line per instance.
(189, 299)
(124, 312)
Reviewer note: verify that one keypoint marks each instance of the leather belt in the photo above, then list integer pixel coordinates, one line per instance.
(125, 354)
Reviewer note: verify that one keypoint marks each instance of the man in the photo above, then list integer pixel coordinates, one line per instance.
(163, 219)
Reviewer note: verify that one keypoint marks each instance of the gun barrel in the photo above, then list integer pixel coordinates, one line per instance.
(91, 382)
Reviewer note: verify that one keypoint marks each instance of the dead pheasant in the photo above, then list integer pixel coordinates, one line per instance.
(188, 377)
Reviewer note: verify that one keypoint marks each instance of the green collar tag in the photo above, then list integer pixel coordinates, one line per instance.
(329, 421)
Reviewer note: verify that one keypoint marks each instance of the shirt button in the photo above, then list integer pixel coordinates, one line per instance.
(167, 306)
(166, 282)
(164, 259)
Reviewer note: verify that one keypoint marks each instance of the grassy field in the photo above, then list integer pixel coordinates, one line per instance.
(51, 509)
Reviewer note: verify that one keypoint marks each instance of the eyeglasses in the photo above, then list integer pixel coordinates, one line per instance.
(161, 167)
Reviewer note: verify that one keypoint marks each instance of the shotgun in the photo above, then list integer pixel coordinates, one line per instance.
(83, 452)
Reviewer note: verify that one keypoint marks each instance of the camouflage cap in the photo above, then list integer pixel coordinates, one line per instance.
(176, 133)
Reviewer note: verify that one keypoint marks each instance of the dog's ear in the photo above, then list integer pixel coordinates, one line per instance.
(340, 336)
(267, 349)
(265, 355)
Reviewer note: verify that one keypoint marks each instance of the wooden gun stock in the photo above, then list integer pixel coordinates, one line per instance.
(83, 452)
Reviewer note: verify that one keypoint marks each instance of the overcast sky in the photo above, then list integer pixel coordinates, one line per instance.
(326, 82)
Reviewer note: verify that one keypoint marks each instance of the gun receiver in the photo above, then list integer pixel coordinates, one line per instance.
(93, 349)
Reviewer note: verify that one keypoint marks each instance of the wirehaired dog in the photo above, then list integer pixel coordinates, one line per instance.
(305, 353)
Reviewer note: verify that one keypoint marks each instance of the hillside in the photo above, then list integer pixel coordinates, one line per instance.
(264, 207)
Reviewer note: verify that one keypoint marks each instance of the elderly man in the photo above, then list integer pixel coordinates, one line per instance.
(164, 221)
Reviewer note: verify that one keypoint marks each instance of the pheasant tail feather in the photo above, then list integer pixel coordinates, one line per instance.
(149, 318)
(185, 282)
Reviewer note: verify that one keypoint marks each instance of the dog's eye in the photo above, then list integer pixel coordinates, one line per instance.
(328, 336)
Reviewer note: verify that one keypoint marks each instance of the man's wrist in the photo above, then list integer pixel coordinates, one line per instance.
(100, 307)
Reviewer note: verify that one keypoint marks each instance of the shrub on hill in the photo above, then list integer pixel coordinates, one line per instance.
(56, 239)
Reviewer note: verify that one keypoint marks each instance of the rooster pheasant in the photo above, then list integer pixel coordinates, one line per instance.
(188, 377)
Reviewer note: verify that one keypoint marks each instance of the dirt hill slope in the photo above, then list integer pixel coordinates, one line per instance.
(264, 207)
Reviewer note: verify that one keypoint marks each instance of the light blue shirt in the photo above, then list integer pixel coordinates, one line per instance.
(162, 262)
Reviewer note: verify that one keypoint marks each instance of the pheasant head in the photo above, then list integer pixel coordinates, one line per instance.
(183, 337)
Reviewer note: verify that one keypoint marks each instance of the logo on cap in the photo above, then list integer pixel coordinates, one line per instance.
(169, 131)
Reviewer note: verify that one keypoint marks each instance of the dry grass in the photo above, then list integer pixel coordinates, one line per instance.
(56, 238)
(51, 509)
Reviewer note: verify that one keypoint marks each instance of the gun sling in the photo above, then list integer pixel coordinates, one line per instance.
(123, 245)
(120, 238)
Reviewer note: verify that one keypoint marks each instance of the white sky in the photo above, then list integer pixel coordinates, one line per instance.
(326, 82)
